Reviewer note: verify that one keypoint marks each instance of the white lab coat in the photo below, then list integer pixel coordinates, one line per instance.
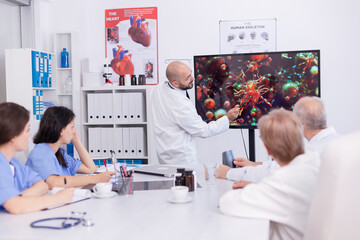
(318, 142)
(176, 124)
(284, 197)
(255, 174)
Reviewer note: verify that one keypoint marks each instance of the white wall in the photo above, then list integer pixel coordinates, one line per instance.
(9, 37)
(189, 27)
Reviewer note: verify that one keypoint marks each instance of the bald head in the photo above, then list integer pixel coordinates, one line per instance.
(311, 112)
(179, 75)
(173, 70)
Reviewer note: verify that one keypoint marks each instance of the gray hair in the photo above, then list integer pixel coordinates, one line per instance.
(311, 112)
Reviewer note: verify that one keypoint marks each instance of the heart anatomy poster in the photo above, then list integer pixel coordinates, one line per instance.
(131, 42)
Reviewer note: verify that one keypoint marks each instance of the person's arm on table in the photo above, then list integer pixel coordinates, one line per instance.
(37, 189)
(78, 181)
(24, 204)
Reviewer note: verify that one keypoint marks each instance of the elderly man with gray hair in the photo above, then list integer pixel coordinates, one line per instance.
(310, 110)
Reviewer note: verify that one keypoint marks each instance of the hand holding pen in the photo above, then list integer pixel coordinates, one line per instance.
(241, 183)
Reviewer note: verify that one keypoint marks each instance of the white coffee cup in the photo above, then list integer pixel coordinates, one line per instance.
(102, 188)
(179, 193)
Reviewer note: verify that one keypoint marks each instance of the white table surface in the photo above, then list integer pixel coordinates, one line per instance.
(143, 215)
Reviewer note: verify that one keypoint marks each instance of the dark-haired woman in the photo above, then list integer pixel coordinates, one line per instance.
(57, 127)
(21, 189)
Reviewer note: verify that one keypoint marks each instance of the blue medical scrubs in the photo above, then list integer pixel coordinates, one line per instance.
(42, 160)
(12, 185)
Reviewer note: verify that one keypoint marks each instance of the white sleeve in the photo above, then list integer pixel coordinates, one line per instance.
(188, 119)
(236, 174)
(252, 174)
(267, 199)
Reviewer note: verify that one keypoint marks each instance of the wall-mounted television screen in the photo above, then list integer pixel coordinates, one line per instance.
(255, 82)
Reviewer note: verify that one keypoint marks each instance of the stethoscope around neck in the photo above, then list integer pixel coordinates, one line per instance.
(67, 222)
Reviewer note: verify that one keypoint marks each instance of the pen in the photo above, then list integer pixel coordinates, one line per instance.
(65, 182)
(244, 174)
(105, 165)
(124, 170)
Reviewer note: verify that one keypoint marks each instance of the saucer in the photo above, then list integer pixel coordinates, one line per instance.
(185, 200)
(110, 194)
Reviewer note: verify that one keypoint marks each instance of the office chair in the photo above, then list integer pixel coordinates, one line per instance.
(335, 211)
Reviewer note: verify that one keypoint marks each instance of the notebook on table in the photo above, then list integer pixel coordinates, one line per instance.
(157, 170)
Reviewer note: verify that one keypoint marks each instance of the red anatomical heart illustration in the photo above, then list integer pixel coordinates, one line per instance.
(121, 64)
(139, 31)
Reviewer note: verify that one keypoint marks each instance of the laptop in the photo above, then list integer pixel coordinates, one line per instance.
(157, 170)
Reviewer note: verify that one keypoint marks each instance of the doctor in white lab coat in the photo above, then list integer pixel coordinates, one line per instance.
(284, 197)
(176, 122)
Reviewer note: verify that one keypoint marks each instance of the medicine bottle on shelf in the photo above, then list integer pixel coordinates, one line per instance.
(64, 58)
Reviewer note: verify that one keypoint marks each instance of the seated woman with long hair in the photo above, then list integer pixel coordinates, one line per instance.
(57, 127)
(21, 189)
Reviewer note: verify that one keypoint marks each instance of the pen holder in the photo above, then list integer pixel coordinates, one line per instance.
(123, 186)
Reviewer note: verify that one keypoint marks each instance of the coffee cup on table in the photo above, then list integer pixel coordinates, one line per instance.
(102, 188)
(179, 193)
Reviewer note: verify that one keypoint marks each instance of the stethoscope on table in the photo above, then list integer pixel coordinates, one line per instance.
(73, 220)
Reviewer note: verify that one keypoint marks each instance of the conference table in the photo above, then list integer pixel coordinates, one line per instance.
(145, 214)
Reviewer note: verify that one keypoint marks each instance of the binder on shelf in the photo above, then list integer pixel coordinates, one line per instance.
(109, 107)
(104, 143)
(139, 107)
(138, 161)
(98, 142)
(38, 104)
(41, 70)
(132, 106)
(132, 142)
(41, 104)
(110, 140)
(140, 142)
(45, 75)
(34, 102)
(125, 106)
(105, 107)
(118, 113)
(97, 108)
(50, 71)
(118, 142)
(90, 108)
(35, 57)
(126, 142)
(91, 142)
